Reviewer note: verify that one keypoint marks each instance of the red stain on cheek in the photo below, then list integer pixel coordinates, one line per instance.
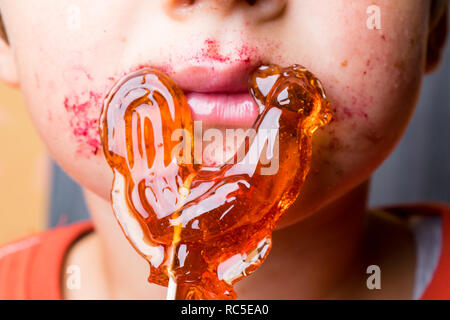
(369, 68)
(347, 112)
(211, 51)
(363, 114)
(84, 111)
(353, 108)
(245, 52)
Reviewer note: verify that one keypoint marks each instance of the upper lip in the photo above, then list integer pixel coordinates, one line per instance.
(213, 76)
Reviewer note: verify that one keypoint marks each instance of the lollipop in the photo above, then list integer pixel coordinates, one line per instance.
(203, 228)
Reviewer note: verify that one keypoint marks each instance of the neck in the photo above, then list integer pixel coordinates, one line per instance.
(311, 258)
(308, 259)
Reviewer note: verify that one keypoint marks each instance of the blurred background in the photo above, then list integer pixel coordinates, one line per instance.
(35, 193)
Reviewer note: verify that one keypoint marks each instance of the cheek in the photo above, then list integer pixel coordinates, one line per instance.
(83, 118)
(373, 109)
(373, 90)
(81, 107)
(73, 102)
(65, 108)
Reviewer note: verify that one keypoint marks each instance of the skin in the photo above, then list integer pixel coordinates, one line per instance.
(372, 78)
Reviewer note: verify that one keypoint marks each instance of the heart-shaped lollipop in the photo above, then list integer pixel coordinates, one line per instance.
(207, 227)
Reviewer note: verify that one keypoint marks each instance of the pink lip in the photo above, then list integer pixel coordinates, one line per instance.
(222, 109)
(217, 91)
(212, 76)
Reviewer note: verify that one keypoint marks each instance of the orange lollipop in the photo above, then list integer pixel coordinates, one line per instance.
(207, 227)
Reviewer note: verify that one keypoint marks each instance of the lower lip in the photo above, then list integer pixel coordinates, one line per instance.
(223, 109)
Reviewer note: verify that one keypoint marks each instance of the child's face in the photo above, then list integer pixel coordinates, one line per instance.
(70, 52)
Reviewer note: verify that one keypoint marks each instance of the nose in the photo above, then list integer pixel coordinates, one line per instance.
(256, 10)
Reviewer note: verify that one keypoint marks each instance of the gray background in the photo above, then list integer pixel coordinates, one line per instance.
(418, 169)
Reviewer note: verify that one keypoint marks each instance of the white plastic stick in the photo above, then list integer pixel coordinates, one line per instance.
(171, 289)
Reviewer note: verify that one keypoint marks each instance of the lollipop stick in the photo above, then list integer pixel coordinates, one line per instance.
(171, 289)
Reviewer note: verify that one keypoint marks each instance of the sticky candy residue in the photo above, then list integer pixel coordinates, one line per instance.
(207, 227)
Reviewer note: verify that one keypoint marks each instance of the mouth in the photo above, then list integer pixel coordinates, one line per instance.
(223, 109)
(217, 92)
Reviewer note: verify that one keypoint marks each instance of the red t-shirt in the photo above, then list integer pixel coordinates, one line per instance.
(31, 268)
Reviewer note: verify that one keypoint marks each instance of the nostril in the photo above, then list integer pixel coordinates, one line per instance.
(177, 9)
(179, 4)
(183, 2)
(264, 10)
(258, 10)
